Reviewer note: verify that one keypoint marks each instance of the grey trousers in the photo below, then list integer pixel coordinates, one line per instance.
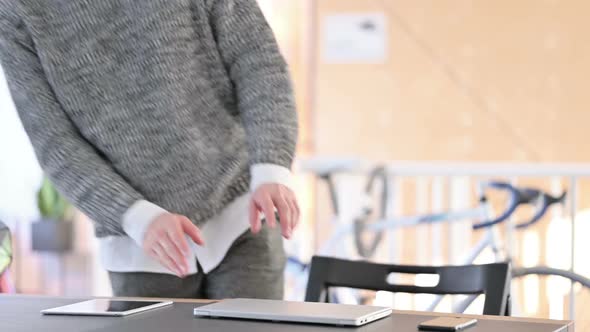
(252, 268)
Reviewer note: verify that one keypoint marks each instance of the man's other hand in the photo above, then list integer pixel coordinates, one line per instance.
(268, 197)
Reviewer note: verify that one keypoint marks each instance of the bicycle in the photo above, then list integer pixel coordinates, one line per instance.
(297, 270)
(518, 197)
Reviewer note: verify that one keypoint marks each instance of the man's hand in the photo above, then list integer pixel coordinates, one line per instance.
(165, 241)
(265, 199)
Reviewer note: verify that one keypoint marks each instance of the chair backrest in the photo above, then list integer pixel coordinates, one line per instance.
(491, 280)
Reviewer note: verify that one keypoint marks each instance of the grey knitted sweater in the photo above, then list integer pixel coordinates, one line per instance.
(168, 101)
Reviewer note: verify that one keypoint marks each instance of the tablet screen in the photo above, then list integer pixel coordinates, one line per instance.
(120, 306)
(105, 307)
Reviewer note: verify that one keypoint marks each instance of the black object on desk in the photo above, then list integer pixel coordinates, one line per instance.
(447, 324)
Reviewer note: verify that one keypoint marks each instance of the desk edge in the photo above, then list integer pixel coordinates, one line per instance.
(563, 323)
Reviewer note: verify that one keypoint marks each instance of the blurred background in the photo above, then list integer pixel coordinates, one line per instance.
(443, 94)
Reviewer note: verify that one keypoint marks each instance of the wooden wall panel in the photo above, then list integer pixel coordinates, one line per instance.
(465, 80)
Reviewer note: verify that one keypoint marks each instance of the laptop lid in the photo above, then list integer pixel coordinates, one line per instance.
(300, 312)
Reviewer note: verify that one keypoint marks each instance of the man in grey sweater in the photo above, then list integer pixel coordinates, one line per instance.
(170, 123)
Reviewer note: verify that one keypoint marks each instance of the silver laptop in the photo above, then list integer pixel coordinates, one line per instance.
(300, 312)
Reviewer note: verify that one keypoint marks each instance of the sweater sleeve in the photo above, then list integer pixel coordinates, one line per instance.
(261, 78)
(72, 163)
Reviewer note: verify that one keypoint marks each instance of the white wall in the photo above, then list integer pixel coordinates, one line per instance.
(19, 179)
(19, 171)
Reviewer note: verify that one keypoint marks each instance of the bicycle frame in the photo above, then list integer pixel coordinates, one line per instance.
(401, 222)
(490, 240)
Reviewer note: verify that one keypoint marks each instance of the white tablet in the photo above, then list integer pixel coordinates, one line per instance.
(105, 307)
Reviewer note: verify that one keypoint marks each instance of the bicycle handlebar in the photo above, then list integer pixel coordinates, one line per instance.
(516, 198)
(546, 202)
(519, 197)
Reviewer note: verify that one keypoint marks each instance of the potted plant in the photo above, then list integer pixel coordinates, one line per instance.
(54, 231)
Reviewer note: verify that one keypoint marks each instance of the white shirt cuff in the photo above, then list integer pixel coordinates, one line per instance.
(138, 217)
(269, 173)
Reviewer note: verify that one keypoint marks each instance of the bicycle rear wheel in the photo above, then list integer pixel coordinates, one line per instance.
(519, 272)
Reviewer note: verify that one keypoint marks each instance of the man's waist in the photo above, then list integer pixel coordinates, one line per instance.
(198, 203)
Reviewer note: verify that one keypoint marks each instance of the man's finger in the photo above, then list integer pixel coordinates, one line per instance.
(192, 231)
(171, 244)
(164, 259)
(254, 218)
(294, 218)
(284, 215)
(147, 244)
(173, 254)
(269, 211)
(177, 236)
(296, 212)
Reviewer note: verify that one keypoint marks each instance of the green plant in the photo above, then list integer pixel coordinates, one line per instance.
(52, 205)
(5, 247)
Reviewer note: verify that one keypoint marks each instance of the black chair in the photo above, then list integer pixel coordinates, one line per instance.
(491, 279)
